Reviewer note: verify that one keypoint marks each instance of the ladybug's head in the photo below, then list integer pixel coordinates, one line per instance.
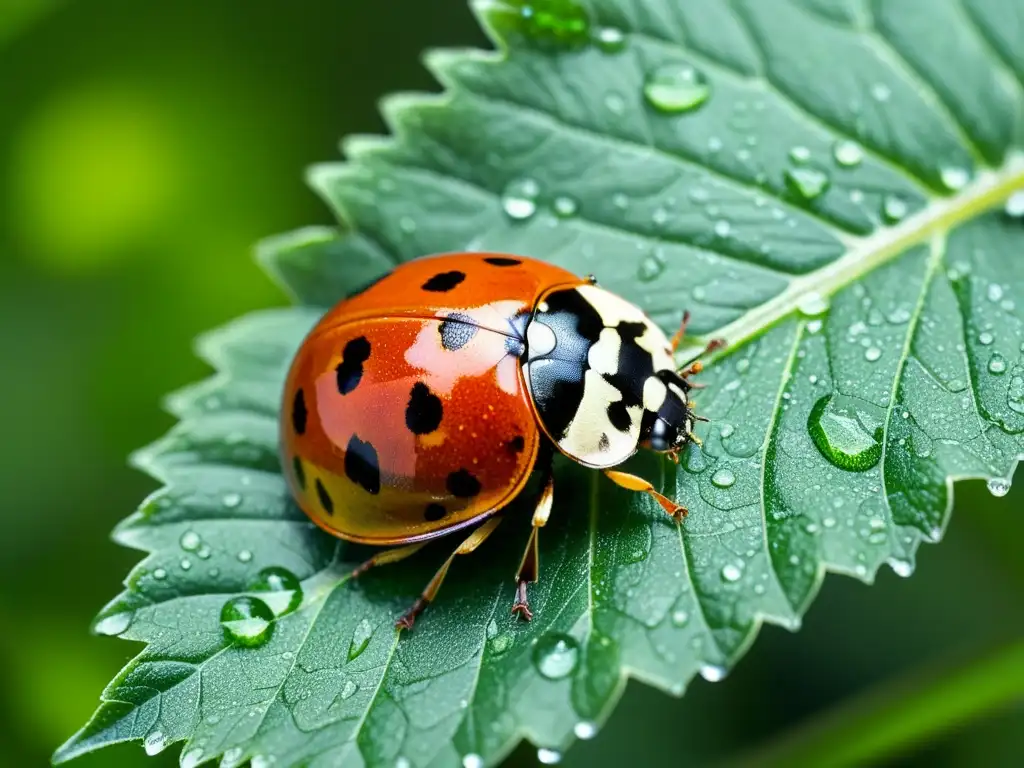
(670, 428)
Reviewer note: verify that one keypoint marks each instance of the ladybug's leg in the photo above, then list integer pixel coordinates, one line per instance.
(634, 483)
(677, 337)
(388, 556)
(693, 365)
(474, 540)
(529, 566)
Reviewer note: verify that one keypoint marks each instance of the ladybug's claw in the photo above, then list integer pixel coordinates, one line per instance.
(521, 607)
(407, 619)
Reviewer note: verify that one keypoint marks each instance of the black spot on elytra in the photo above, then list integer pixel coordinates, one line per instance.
(424, 411)
(299, 471)
(516, 444)
(457, 330)
(619, 416)
(434, 512)
(463, 484)
(299, 412)
(444, 281)
(501, 261)
(571, 312)
(350, 369)
(361, 466)
(325, 498)
(630, 331)
(603, 444)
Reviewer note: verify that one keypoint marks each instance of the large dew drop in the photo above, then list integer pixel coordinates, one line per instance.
(280, 589)
(806, 183)
(676, 87)
(360, 639)
(555, 656)
(247, 621)
(519, 200)
(846, 432)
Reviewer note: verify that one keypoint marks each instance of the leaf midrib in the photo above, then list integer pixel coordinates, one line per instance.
(988, 190)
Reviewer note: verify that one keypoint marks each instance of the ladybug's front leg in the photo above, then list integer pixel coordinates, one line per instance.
(634, 483)
(529, 566)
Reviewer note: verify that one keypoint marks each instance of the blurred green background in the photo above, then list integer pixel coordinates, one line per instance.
(144, 148)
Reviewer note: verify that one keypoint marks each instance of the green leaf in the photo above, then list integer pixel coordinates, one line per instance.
(822, 183)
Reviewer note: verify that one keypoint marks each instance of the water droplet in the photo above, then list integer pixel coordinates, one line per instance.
(472, 760)
(986, 338)
(680, 618)
(712, 672)
(191, 758)
(407, 224)
(360, 639)
(723, 478)
(799, 154)
(204, 553)
(548, 756)
(501, 643)
(872, 354)
(155, 743)
(812, 304)
(159, 574)
(185, 564)
(562, 24)
(722, 228)
(244, 556)
(279, 588)
(676, 87)
(954, 178)
(190, 541)
(837, 427)
(585, 729)
(565, 207)
(901, 567)
(997, 365)
(611, 39)
(114, 624)
(995, 292)
(555, 656)
(614, 103)
(1015, 205)
(348, 690)
(651, 266)
(519, 200)
(247, 621)
(806, 183)
(726, 430)
(403, 762)
(232, 757)
(998, 486)
(847, 153)
(731, 572)
(232, 500)
(880, 92)
(894, 209)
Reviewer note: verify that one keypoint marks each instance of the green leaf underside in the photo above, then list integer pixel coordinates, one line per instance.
(836, 431)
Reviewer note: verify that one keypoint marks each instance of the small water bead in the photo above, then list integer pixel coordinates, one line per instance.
(403, 762)
(998, 486)
(190, 541)
(348, 690)
(713, 673)
(894, 209)
(203, 553)
(901, 568)
(472, 760)
(995, 292)
(812, 304)
(615, 103)
(722, 228)
(726, 430)
(806, 183)
(519, 199)
(847, 153)
(619, 200)
(997, 365)
(799, 154)
(407, 224)
(954, 178)
(360, 639)
(723, 478)
(231, 500)
(731, 572)
(555, 656)
(610, 40)
(880, 92)
(676, 87)
(651, 267)
(232, 757)
(565, 207)
(856, 196)
(714, 144)
(155, 743)
(680, 618)
(192, 758)
(185, 564)
(244, 556)
(247, 621)
(114, 624)
(1015, 205)
(872, 354)
(986, 338)
(160, 574)
(549, 756)
(280, 589)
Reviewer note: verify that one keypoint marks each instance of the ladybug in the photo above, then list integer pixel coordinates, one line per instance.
(421, 405)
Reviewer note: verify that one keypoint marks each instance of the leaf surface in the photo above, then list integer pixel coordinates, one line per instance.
(833, 191)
